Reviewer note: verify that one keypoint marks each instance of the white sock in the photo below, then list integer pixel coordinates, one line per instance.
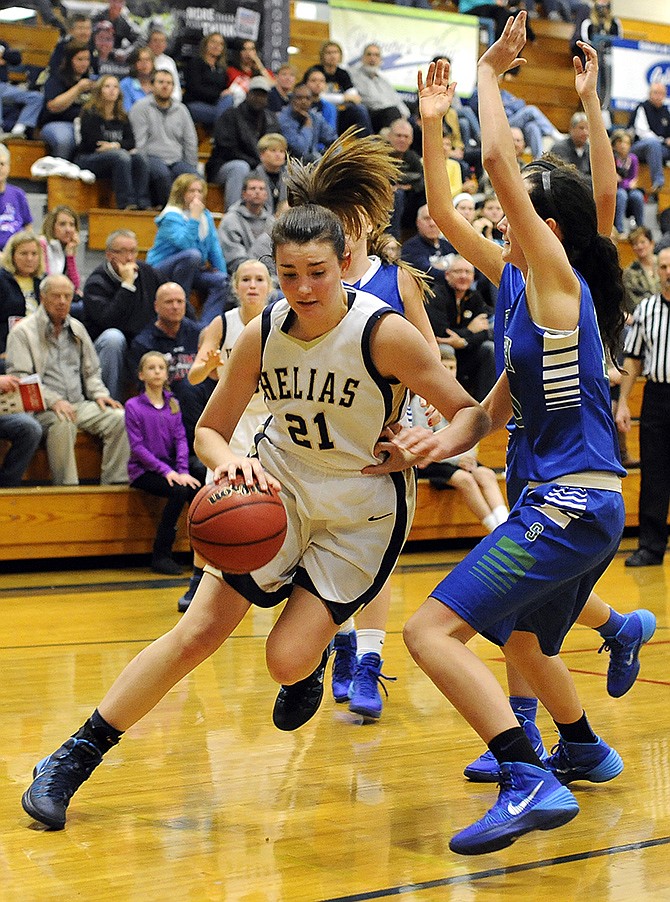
(19, 129)
(490, 522)
(369, 641)
(347, 627)
(500, 513)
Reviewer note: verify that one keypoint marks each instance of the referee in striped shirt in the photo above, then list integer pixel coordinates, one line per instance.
(647, 352)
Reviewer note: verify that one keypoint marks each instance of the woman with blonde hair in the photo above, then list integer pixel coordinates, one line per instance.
(107, 146)
(186, 249)
(20, 277)
(207, 93)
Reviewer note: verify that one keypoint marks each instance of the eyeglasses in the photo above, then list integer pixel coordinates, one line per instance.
(119, 251)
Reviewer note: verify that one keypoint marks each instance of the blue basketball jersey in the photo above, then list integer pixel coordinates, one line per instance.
(512, 284)
(381, 279)
(561, 399)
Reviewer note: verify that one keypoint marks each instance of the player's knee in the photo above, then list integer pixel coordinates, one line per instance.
(287, 668)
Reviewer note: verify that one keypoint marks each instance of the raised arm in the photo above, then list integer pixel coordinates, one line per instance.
(603, 169)
(435, 96)
(552, 289)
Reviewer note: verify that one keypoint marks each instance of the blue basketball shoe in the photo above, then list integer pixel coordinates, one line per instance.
(486, 768)
(530, 798)
(592, 761)
(624, 649)
(365, 698)
(56, 779)
(344, 664)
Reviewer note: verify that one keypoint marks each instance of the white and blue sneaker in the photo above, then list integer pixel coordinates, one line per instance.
(364, 696)
(530, 798)
(486, 769)
(624, 648)
(596, 762)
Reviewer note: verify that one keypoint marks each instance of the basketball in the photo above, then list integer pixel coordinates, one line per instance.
(236, 528)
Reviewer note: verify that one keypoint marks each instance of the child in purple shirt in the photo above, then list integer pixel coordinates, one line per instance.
(158, 461)
(629, 198)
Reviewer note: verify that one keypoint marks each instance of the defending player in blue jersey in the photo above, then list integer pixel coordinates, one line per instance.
(525, 584)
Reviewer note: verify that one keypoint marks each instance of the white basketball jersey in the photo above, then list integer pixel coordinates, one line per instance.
(329, 404)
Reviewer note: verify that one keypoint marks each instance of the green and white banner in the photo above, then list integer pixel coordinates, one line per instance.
(409, 38)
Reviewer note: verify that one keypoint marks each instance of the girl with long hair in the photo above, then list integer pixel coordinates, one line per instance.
(206, 89)
(107, 146)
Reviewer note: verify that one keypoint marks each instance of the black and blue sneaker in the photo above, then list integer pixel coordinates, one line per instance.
(595, 762)
(297, 704)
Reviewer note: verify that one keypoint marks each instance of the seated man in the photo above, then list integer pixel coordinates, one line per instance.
(244, 223)
(272, 169)
(79, 31)
(127, 35)
(305, 129)
(427, 250)
(118, 303)
(575, 148)
(378, 95)
(14, 209)
(651, 121)
(165, 134)
(28, 102)
(60, 351)
(341, 91)
(237, 132)
(530, 119)
(410, 192)
(23, 432)
(171, 333)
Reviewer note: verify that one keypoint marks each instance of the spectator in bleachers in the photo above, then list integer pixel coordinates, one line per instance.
(410, 192)
(306, 131)
(629, 198)
(489, 215)
(119, 300)
(460, 318)
(575, 148)
(59, 350)
(80, 31)
(640, 278)
(427, 250)
(246, 221)
(592, 24)
(157, 43)
(65, 92)
(651, 123)
(377, 94)
(279, 95)
(207, 90)
(236, 135)
(272, 169)
(454, 171)
(20, 277)
(186, 249)
(127, 35)
(530, 119)
(159, 455)
(15, 212)
(341, 91)
(165, 134)
(107, 146)
(249, 65)
(29, 103)
(24, 434)
(497, 11)
(316, 82)
(59, 242)
(138, 83)
(104, 58)
(171, 333)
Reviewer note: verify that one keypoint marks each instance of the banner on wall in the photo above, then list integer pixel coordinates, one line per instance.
(635, 65)
(409, 38)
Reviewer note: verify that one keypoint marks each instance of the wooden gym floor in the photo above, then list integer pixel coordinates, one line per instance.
(205, 800)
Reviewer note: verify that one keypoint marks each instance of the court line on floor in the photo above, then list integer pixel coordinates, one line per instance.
(499, 872)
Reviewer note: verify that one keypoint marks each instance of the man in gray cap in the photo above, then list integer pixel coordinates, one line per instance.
(236, 135)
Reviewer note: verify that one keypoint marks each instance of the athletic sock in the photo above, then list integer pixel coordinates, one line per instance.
(347, 627)
(369, 641)
(579, 731)
(99, 733)
(500, 513)
(612, 625)
(513, 745)
(489, 522)
(523, 706)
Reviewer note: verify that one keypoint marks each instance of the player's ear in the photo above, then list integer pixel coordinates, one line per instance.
(345, 262)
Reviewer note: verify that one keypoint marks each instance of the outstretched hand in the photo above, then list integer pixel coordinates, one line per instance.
(436, 94)
(504, 53)
(586, 76)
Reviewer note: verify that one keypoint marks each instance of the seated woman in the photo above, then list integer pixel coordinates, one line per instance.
(65, 91)
(187, 250)
(248, 66)
(20, 277)
(207, 93)
(59, 242)
(107, 146)
(138, 84)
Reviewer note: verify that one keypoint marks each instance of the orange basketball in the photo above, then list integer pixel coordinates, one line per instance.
(236, 528)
